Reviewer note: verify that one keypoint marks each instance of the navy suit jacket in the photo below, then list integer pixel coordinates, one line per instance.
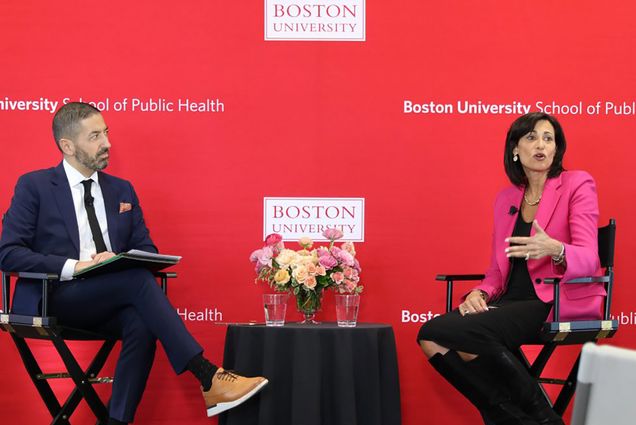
(39, 231)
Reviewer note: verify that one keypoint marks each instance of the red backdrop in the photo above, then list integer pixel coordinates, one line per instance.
(319, 119)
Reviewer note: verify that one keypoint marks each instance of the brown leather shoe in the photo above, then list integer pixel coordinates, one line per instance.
(229, 390)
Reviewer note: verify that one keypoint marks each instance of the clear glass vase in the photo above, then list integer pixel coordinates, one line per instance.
(308, 303)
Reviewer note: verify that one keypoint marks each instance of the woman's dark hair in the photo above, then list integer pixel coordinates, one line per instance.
(522, 126)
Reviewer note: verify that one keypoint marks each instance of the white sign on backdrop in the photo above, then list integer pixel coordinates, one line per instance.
(294, 218)
(311, 20)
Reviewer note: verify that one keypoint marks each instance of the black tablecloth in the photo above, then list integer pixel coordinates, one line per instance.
(318, 374)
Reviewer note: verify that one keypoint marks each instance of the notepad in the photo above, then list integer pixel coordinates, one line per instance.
(129, 260)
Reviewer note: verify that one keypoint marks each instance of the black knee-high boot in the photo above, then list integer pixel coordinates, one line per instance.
(491, 401)
(524, 389)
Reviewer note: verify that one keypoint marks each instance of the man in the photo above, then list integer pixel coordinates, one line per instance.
(64, 219)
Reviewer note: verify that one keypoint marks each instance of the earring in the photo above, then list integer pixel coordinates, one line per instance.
(515, 158)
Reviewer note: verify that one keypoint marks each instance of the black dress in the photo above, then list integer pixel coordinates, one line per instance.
(512, 320)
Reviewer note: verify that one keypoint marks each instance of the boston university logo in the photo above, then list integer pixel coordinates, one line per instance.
(294, 218)
(315, 20)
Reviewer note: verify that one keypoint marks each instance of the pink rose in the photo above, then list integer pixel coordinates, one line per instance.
(351, 274)
(273, 239)
(356, 265)
(332, 234)
(349, 285)
(310, 282)
(262, 258)
(345, 258)
(321, 271)
(321, 251)
(254, 256)
(348, 272)
(327, 261)
(348, 246)
(337, 277)
(300, 274)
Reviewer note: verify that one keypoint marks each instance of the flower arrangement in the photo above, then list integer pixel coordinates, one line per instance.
(309, 270)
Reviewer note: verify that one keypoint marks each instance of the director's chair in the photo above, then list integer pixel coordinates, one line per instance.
(556, 332)
(45, 327)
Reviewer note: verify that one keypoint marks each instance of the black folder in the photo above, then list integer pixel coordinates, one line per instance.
(129, 260)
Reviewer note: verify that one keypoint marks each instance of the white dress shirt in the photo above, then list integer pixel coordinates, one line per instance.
(86, 243)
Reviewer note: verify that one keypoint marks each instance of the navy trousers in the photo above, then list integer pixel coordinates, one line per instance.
(131, 305)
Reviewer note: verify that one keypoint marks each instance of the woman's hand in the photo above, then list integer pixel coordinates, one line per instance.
(474, 303)
(538, 246)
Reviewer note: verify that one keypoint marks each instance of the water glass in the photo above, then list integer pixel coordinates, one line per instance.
(347, 309)
(275, 306)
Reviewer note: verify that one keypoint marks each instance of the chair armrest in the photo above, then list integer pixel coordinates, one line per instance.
(44, 277)
(556, 281)
(163, 279)
(461, 277)
(167, 275)
(449, 279)
(587, 279)
(552, 280)
(30, 275)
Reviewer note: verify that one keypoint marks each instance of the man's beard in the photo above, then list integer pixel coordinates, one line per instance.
(94, 163)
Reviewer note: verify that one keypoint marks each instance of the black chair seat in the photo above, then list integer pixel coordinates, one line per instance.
(34, 327)
(578, 332)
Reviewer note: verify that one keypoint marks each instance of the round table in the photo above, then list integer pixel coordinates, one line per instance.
(318, 374)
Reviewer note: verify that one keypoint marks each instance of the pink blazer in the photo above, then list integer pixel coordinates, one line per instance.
(568, 212)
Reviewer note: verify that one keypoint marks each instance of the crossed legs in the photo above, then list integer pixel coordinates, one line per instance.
(497, 384)
(430, 348)
(130, 305)
(133, 366)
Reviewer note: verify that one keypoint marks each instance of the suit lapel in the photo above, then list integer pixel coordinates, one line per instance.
(112, 209)
(549, 200)
(64, 200)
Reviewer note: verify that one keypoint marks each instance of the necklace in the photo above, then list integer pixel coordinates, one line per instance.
(531, 204)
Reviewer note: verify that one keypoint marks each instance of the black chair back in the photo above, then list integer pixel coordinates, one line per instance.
(606, 239)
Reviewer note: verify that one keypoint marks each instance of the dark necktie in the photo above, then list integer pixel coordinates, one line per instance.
(100, 246)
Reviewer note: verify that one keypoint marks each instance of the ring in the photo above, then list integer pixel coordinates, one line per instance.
(527, 255)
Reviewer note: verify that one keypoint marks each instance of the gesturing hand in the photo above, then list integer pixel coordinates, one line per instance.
(538, 246)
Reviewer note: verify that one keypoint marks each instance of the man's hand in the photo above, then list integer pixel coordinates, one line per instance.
(97, 258)
(102, 256)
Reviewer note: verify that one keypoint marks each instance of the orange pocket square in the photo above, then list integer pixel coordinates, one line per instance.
(124, 206)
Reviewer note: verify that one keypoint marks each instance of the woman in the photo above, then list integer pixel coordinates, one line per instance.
(545, 225)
